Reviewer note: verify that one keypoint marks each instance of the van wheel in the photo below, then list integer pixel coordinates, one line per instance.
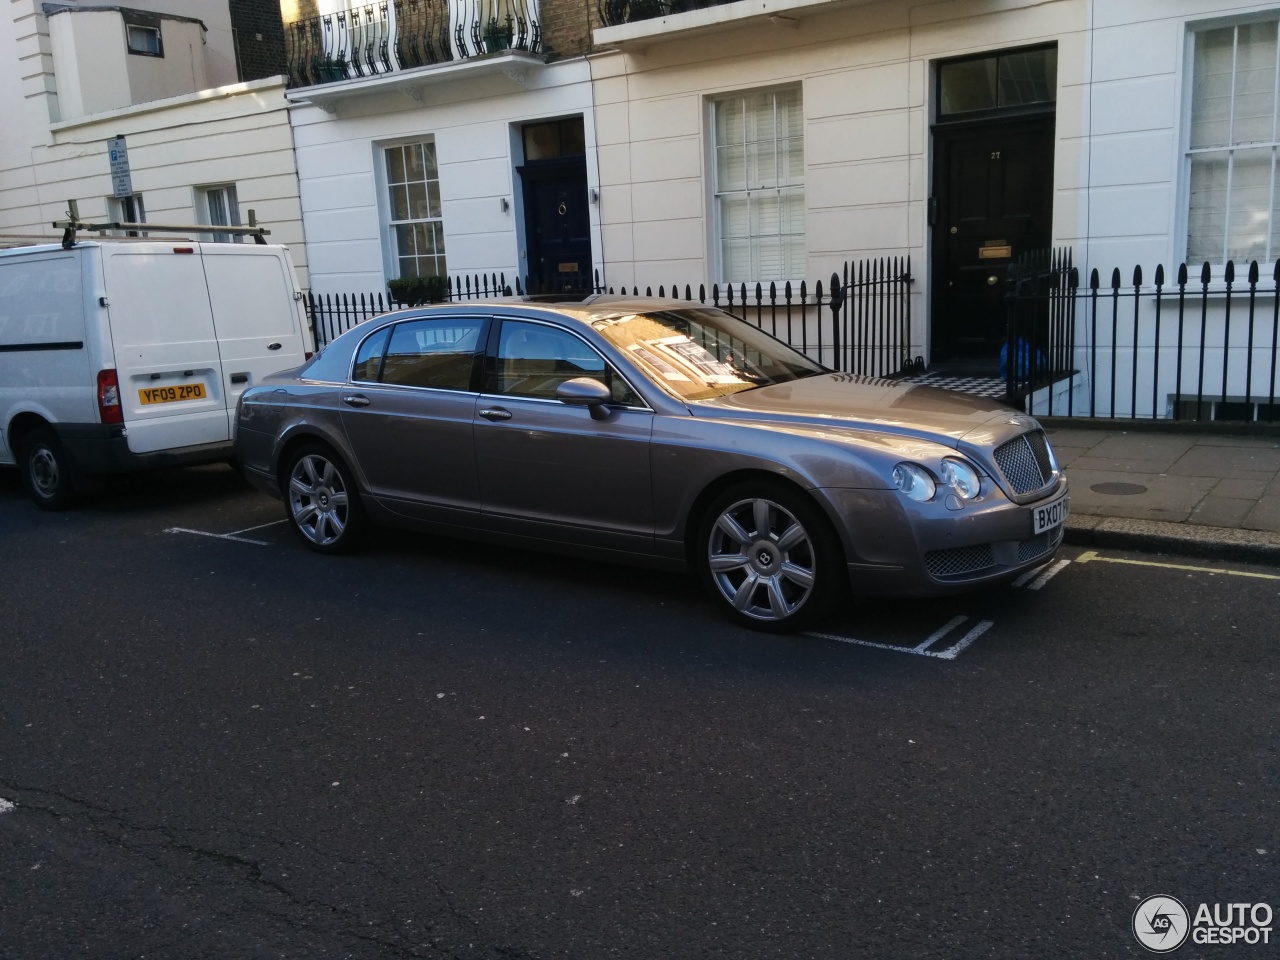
(45, 471)
(320, 500)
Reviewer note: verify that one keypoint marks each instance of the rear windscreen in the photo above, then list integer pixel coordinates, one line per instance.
(40, 301)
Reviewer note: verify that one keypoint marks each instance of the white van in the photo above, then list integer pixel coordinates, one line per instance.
(124, 355)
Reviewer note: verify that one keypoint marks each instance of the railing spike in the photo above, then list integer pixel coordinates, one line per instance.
(1253, 271)
(1159, 274)
(1182, 273)
(1137, 276)
(1115, 279)
(1229, 274)
(1205, 274)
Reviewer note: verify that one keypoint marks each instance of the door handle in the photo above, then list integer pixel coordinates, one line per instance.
(239, 378)
(992, 281)
(356, 400)
(496, 413)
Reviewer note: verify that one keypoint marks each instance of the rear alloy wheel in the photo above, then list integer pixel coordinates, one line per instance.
(769, 558)
(45, 470)
(320, 500)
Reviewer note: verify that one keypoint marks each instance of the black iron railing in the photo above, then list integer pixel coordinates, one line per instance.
(1201, 348)
(615, 12)
(860, 324)
(382, 38)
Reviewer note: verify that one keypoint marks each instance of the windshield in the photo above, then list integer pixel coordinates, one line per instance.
(702, 353)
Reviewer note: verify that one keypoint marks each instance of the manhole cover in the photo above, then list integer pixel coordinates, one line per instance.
(1119, 489)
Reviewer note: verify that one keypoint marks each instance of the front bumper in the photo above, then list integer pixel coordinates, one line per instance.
(897, 547)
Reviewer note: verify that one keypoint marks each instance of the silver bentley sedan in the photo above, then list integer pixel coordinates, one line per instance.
(654, 430)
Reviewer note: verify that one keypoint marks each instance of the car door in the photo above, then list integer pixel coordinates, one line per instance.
(549, 469)
(408, 414)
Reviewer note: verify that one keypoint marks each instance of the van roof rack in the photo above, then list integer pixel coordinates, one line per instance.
(73, 224)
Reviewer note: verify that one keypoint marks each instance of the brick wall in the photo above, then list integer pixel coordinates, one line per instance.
(259, 36)
(567, 26)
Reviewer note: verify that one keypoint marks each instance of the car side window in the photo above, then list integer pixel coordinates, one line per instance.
(368, 362)
(534, 359)
(433, 353)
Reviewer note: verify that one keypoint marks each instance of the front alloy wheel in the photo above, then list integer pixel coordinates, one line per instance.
(321, 502)
(768, 557)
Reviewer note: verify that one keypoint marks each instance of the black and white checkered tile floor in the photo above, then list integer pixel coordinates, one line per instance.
(978, 386)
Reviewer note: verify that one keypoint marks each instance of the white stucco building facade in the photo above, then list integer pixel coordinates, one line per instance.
(203, 146)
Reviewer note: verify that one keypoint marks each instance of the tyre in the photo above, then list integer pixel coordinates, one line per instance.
(768, 557)
(320, 500)
(46, 473)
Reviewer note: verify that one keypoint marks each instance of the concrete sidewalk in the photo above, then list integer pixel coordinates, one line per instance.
(1172, 488)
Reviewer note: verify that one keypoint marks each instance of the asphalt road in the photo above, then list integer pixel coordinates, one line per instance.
(220, 747)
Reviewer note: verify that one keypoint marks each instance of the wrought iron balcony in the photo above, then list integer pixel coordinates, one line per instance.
(616, 12)
(376, 39)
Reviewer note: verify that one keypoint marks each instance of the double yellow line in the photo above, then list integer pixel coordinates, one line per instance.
(1090, 556)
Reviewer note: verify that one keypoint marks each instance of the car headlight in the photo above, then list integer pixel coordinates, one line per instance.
(915, 481)
(961, 478)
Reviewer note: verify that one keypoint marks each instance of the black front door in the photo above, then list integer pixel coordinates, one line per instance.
(557, 224)
(993, 186)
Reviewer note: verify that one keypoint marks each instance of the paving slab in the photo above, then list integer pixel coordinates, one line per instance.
(1120, 465)
(1211, 440)
(1253, 463)
(1166, 497)
(1068, 437)
(1067, 455)
(1214, 511)
(1241, 489)
(1145, 446)
(1264, 516)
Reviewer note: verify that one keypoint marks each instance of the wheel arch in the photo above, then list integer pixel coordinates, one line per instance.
(698, 509)
(301, 437)
(20, 427)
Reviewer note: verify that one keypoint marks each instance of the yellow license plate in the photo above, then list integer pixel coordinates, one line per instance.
(182, 391)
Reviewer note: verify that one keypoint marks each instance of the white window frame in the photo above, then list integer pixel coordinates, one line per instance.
(1183, 253)
(143, 49)
(119, 210)
(715, 193)
(225, 194)
(386, 210)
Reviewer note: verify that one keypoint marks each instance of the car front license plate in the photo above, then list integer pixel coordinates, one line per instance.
(1049, 516)
(182, 391)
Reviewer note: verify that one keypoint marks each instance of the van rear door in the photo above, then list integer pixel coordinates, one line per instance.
(171, 383)
(257, 318)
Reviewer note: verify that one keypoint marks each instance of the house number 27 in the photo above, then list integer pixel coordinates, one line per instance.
(995, 154)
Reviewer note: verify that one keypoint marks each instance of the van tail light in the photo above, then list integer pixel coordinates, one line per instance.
(109, 409)
(307, 355)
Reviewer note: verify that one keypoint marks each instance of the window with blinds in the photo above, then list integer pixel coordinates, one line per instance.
(759, 186)
(1231, 155)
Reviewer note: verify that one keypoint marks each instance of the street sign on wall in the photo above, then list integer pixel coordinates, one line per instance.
(121, 181)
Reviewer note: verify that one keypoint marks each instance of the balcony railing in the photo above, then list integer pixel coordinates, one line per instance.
(382, 38)
(614, 13)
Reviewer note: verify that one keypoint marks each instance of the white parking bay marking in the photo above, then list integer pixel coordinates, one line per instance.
(940, 633)
(218, 536)
(260, 526)
(922, 649)
(1045, 577)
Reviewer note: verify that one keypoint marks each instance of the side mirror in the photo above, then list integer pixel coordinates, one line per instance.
(585, 392)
